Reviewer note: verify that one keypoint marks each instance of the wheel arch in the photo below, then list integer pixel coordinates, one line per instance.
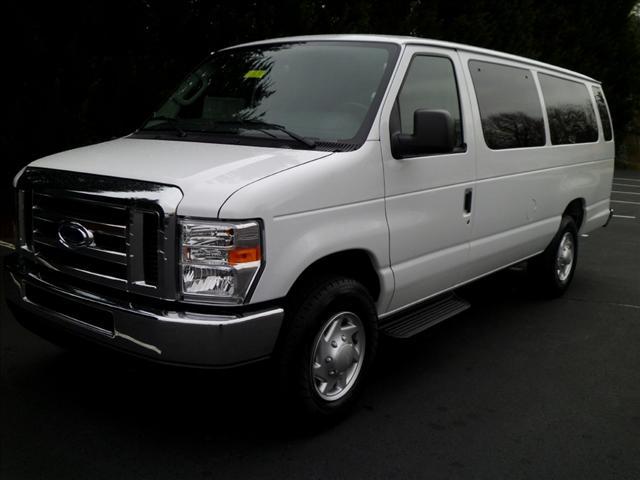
(576, 210)
(358, 264)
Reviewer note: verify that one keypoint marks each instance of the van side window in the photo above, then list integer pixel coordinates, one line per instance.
(509, 105)
(570, 111)
(430, 84)
(604, 114)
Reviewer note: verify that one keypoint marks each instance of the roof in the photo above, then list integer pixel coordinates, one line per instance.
(408, 40)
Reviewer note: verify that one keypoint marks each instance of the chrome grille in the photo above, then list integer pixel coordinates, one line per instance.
(107, 254)
(128, 227)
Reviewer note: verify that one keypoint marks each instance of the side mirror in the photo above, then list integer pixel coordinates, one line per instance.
(433, 132)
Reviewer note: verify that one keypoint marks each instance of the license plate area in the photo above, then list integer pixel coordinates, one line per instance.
(90, 317)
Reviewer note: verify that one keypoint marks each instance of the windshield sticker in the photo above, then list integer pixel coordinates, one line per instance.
(255, 74)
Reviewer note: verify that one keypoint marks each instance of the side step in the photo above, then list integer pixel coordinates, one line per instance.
(415, 320)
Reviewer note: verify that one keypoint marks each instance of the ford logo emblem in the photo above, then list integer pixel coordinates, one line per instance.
(74, 235)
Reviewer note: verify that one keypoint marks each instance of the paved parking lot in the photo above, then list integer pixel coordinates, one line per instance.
(516, 387)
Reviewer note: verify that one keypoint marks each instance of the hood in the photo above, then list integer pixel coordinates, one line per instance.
(207, 173)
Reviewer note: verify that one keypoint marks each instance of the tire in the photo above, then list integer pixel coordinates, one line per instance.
(327, 348)
(553, 269)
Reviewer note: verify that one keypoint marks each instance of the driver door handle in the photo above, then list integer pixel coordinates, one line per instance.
(468, 201)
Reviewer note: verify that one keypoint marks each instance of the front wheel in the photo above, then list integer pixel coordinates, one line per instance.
(553, 269)
(328, 347)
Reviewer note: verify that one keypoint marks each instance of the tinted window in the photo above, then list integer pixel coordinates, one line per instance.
(570, 111)
(326, 91)
(430, 84)
(509, 106)
(604, 114)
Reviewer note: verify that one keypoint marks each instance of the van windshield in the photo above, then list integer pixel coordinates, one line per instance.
(301, 95)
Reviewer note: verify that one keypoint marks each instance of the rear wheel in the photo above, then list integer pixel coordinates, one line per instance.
(554, 268)
(328, 347)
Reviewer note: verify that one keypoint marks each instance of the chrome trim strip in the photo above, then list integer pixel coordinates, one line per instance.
(119, 283)
(55, 194)
(148, 346)
(7, 245)
(110, 256)
(22, 241)
(194, 318)
(16, 282)
(119, 231)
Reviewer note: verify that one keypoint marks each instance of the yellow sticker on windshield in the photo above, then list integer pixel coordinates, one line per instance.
(255, 74)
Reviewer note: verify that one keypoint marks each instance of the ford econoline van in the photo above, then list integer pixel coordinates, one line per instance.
(295, 198)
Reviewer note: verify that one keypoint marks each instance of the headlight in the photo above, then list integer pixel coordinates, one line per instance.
(219, 260)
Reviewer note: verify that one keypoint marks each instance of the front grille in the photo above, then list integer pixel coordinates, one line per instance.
(106, 256)
(126, 229)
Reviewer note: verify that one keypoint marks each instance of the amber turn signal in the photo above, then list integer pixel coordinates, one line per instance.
(244, 255)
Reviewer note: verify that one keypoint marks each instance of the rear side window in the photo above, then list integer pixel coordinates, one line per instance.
(570, 111)
(430, 84)
(509, 105)
(604, 113)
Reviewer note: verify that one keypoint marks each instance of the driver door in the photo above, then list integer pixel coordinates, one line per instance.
(429, 197)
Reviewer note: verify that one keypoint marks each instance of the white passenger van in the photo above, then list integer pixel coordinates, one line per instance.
(297, 197)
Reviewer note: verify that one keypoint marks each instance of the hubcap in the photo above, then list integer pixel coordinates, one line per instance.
(338, 352)
(564, 257)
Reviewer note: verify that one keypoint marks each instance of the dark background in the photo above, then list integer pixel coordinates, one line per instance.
(87, 71)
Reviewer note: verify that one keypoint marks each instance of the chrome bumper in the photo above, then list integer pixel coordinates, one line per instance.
(177, 337)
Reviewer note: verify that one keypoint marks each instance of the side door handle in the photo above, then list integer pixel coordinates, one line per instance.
(468, 201)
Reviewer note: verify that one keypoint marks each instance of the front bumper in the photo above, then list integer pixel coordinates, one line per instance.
(169, 336)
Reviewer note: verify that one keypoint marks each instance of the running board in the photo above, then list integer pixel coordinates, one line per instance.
(415, 320)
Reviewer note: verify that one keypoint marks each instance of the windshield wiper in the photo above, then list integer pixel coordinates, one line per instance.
(264, 126)
(169, 120)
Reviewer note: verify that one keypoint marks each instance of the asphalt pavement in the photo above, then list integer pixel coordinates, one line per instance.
(515, 387)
